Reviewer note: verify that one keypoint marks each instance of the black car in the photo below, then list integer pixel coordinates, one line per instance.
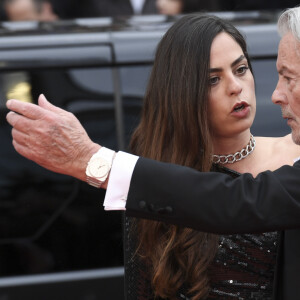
(56, 241)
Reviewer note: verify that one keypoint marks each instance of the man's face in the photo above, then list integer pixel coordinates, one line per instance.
(287, 92)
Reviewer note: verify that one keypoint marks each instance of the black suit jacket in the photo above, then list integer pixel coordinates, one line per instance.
(215, 202)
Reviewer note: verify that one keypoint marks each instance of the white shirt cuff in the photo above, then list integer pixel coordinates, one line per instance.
(296, 159)
(119, 181)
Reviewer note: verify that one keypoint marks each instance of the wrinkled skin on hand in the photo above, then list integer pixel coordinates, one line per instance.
(51, 137)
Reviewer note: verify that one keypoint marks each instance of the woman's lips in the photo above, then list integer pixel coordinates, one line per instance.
(241, 110)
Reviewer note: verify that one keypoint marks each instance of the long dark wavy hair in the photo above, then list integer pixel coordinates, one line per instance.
(174, 128)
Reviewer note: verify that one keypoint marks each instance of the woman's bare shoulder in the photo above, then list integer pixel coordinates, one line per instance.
(270, 154)
(287, 143)
(282, 149)
(282, 142)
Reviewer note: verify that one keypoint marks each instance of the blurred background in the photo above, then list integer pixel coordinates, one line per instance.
(49, 10)
(93, 58)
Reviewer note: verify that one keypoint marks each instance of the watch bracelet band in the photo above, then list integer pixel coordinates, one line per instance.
(107, 155)
(94, 182)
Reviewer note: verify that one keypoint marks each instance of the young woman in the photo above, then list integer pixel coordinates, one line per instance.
(198, 111)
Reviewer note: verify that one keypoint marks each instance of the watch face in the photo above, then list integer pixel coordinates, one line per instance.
(98, 168)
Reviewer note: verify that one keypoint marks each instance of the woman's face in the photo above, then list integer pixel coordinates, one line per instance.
(169, 7)
(232, 102)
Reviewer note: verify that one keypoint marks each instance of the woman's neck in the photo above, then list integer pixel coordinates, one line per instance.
(230, 145)
(226, 146)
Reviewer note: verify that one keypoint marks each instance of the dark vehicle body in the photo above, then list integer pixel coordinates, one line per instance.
(56, 241)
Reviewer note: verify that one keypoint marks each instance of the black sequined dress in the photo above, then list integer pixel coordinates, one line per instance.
(243, 268)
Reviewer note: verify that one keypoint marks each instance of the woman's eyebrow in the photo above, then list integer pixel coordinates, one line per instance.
(239, 59)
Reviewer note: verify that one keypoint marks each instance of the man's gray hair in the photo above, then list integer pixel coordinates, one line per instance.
(289, 21)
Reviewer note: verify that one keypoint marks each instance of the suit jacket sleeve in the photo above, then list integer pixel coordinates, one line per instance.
(215, 202)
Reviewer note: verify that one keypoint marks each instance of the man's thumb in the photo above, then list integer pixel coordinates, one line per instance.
(44, 103)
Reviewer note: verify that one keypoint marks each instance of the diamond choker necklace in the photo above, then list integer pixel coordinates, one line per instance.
(232, 158)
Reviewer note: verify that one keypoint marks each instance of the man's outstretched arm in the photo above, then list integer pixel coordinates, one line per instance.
(212, 202)
(215, 202)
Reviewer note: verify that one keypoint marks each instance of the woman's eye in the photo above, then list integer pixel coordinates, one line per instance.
(213, 80)
(242, 70)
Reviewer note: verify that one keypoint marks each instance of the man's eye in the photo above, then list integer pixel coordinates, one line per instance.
(242, 70)
(287, 79)
(213, 80)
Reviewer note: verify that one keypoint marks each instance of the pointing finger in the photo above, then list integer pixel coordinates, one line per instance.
(29, 110)
(18, 121)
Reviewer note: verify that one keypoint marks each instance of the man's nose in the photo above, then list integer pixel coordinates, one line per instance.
(278, 96)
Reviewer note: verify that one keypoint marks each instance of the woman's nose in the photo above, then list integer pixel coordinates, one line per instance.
(234, 86)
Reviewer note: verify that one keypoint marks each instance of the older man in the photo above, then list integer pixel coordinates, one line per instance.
(55, 139)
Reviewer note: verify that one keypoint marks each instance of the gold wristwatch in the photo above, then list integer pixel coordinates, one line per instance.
(99, 167)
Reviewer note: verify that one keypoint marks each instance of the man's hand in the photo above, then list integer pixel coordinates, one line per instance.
(51, 137)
